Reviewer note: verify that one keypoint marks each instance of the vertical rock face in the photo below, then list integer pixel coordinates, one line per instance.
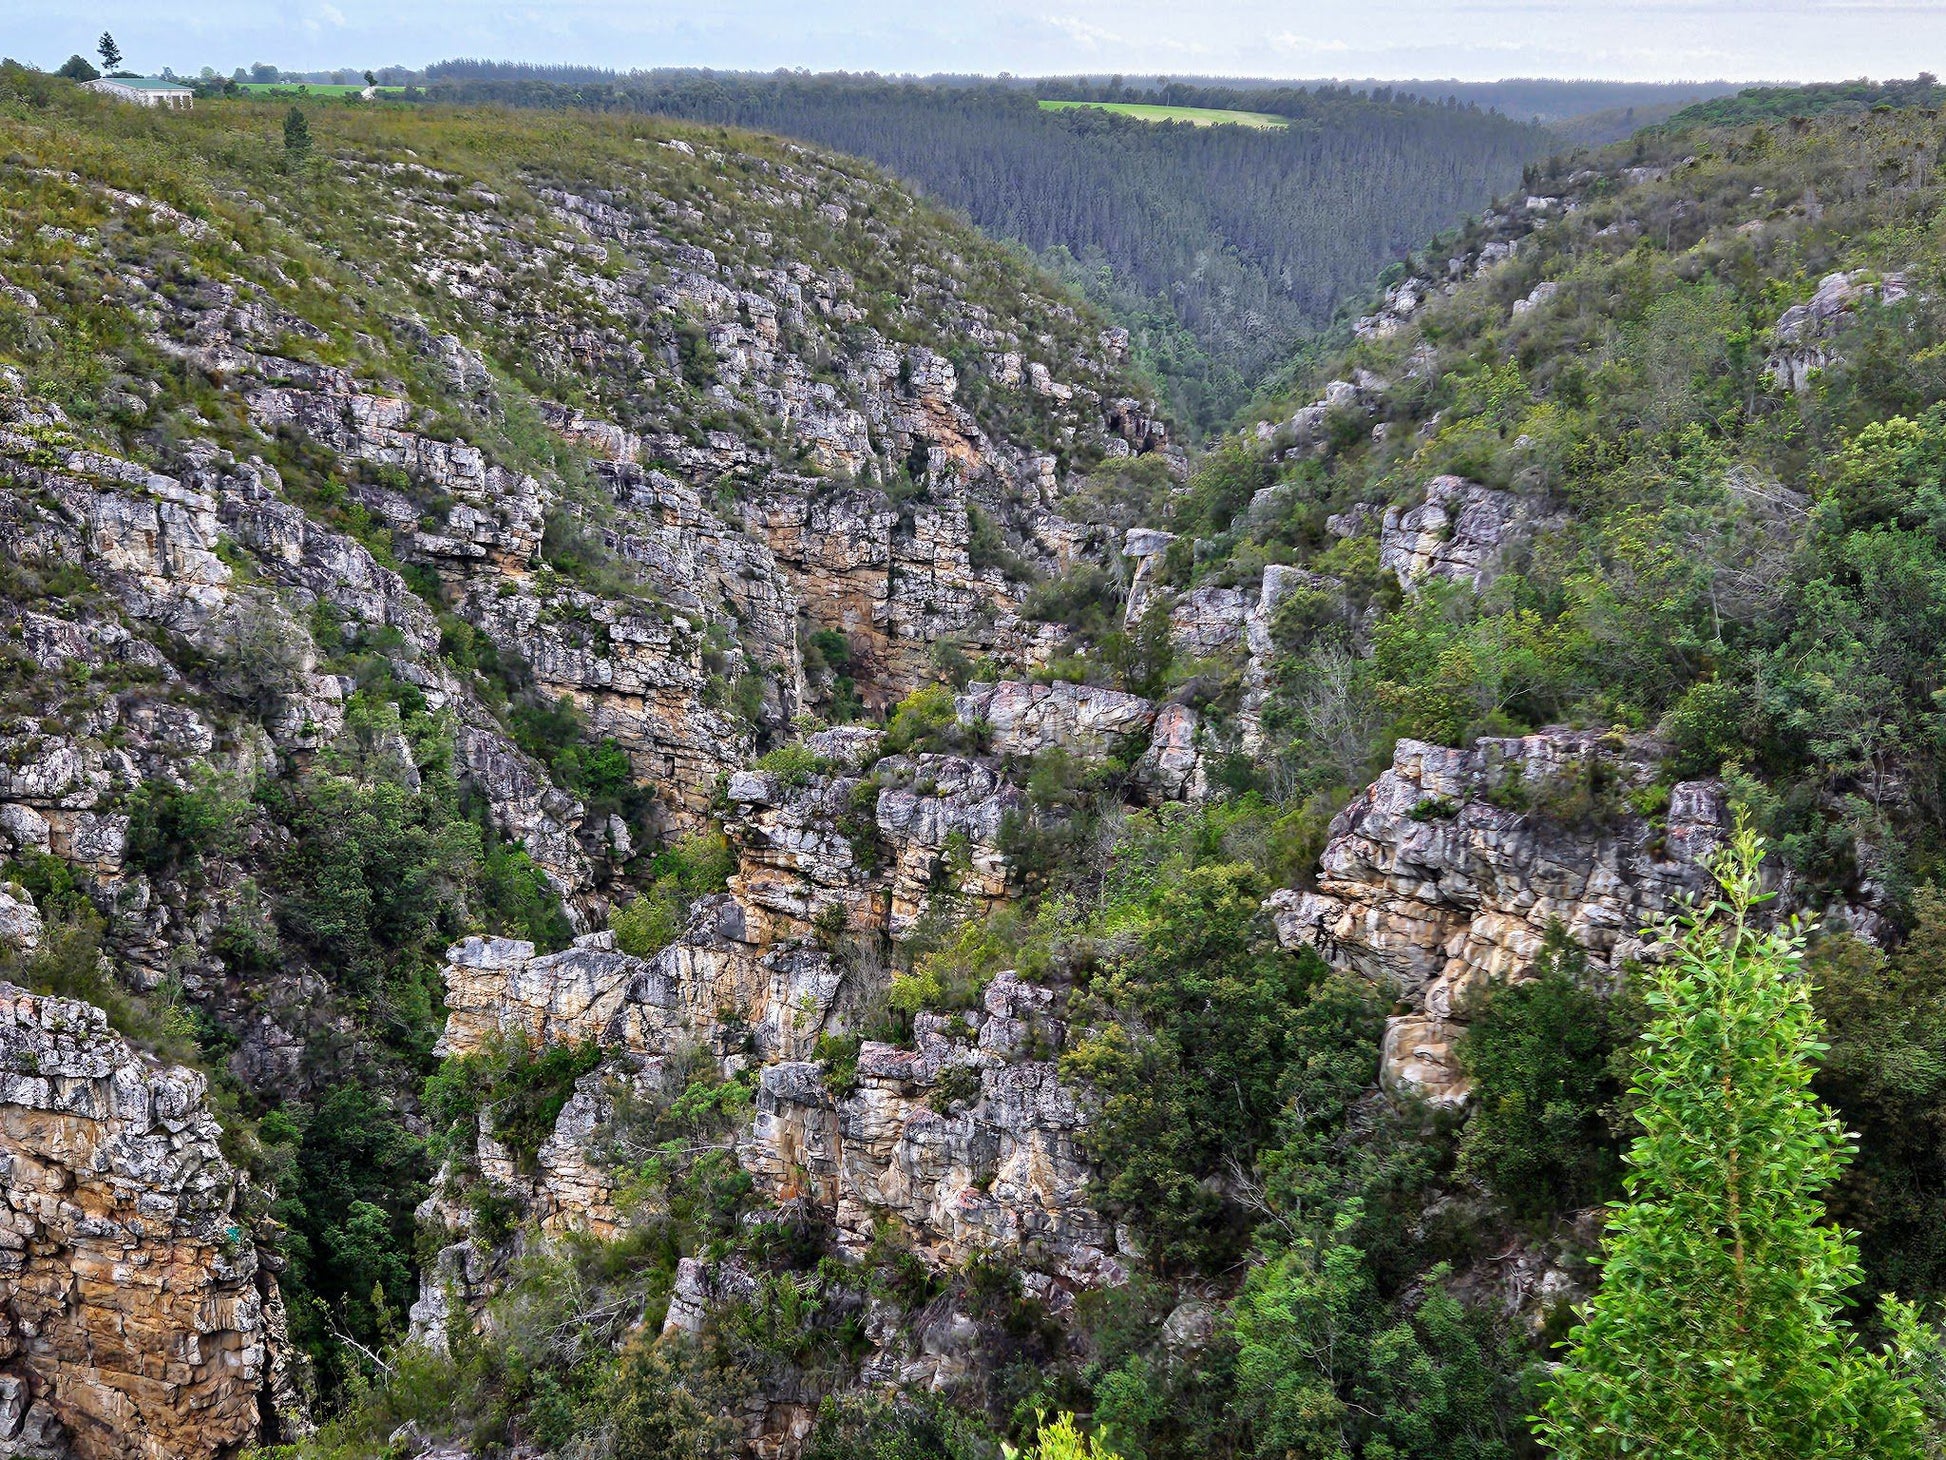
(1450, 868)
(133, 1312)
(967, 1142)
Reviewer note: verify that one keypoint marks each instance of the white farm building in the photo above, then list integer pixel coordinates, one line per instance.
(144, 91)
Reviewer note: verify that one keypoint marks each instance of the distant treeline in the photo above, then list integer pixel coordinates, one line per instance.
(1526, 98)
(1764, 103)
(1221, 247)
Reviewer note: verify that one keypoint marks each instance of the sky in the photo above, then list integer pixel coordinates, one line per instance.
(1472, 40)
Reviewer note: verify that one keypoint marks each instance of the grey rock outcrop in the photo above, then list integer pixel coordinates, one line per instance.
(1805, 336)
(999, 1167)
(1461, 531)
(1450, 868)
(1025, 718)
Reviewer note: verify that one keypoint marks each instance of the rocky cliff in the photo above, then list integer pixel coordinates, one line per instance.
(1452, 867)
(557, 661)
(966, 1139)
(137, 1319)
(415, 488)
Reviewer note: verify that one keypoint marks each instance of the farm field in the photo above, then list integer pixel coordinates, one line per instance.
(1200, 116)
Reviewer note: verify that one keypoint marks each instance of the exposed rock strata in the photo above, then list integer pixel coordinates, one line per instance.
(969, 1141)
(135, 1319)
(999, 1167)
(763, 448)
(1450, 868)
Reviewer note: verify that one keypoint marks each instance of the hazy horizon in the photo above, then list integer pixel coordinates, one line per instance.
(1483, 40)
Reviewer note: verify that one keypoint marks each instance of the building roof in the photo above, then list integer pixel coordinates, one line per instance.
(145, 83)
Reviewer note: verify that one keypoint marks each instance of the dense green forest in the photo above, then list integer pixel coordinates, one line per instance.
(1530, 98)
(1220, 248)
(1777, 103)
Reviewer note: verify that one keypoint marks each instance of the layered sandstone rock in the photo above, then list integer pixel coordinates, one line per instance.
(1451, 867)
(152, 541)
(990, 1159)
(135, 1319)
(499, 988)
(969, 1141)
(1461, 531)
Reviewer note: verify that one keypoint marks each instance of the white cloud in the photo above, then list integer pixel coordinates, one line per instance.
(1306, 44)
(1093, 37)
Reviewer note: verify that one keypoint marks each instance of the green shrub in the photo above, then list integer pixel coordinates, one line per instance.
(1325, 1366)
(838, 1053)
(1540, 1055)
(908, 1427)
(1190, 1074)
(954, 975)
(1885, 1071)
(1721, 1252)
(174, 830)
(520, 1087)
(921, 721)
(646, 925)
(359, 1173)
(696, 866)
(1059, 1439)
(663, 1400)
(794, 764)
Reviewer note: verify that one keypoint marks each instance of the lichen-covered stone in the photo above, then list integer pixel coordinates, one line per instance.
(1461, 531)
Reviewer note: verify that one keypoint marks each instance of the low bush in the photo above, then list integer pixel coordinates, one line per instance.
(520, 1088)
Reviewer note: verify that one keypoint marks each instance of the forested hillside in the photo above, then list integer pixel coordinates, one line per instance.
(1620, 539)
(1219, 248)
(1780, 103)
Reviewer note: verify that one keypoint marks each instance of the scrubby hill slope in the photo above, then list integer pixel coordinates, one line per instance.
(403, 536)
(1613, 525)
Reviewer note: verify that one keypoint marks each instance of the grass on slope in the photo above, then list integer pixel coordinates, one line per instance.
(1198, 116)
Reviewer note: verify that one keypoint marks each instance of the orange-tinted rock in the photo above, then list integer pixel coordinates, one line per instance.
(133, 1311)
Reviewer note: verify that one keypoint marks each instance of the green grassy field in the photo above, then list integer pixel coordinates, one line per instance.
(294, 88)
(1201, 116)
